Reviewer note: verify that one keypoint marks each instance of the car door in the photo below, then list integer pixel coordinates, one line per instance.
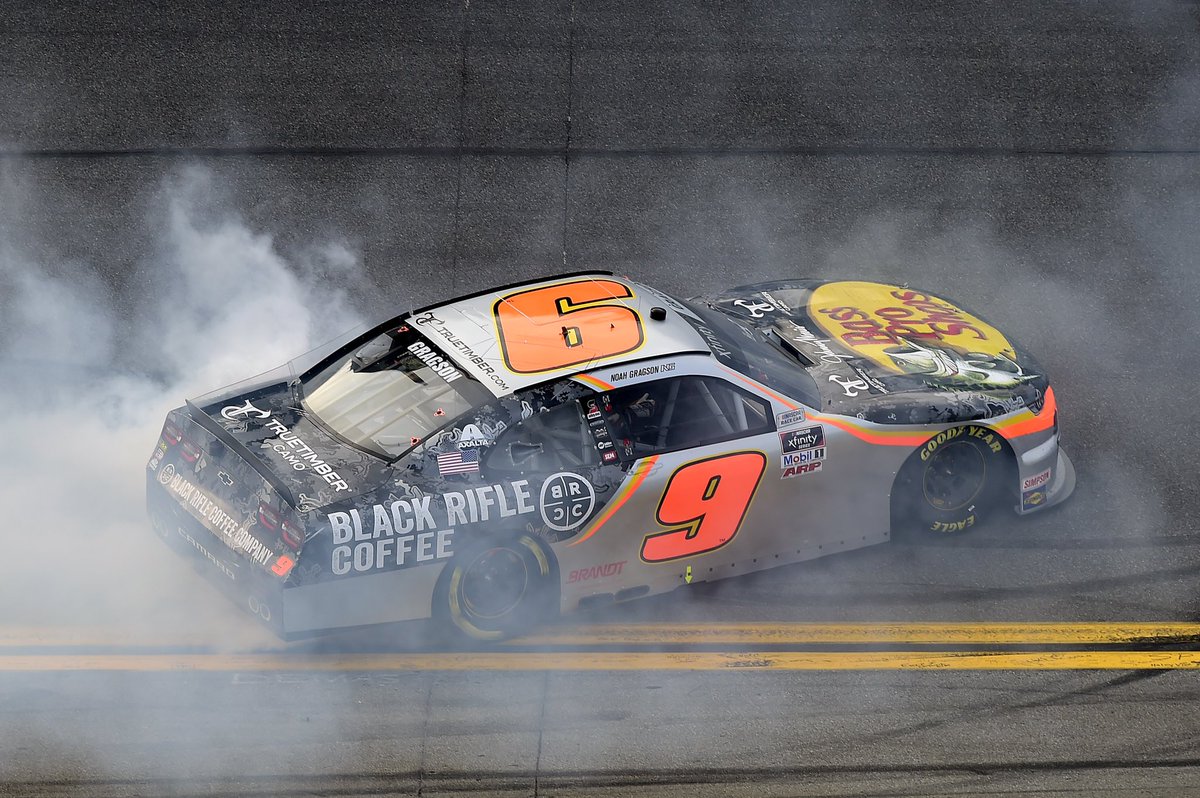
(701, 458)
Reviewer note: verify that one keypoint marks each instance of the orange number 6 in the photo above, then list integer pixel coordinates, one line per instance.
(556, 326)
(704, 503)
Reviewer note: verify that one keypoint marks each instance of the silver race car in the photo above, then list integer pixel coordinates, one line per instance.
(506, 456)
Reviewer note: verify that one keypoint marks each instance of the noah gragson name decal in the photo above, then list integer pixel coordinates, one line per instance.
(292, 449)
(418, 530)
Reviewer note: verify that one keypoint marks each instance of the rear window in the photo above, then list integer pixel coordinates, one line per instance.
(743, 349)
(390, 393)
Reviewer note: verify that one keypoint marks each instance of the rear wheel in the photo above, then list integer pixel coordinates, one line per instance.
(496, 589)
(952, 483)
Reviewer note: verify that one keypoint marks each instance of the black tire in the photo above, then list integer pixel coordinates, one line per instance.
(953, 483)
(495, 589)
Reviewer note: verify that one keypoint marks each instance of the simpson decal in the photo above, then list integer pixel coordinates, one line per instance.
(910, 332)
(1037, 480)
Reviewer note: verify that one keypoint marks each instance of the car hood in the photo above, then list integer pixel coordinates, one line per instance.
(888, 351)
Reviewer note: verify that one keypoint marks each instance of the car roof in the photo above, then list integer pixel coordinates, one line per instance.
(520, 335)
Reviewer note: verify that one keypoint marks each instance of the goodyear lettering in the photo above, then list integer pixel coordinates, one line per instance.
(991, 439)
(953, 526)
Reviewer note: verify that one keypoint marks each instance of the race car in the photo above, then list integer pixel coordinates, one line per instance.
(497, 459)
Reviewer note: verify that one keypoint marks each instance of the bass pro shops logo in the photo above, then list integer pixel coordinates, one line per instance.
(248, 410)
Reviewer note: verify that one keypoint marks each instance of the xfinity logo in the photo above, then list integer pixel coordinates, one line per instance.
(798, 439)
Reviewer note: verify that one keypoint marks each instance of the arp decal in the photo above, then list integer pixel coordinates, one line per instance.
(556, 326)
(910, 332)
(800, 469)
(703, 505)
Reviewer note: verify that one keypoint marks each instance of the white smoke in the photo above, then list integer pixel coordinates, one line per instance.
(85, 383)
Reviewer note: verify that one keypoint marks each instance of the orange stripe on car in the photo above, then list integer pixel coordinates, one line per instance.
(632, 482)
(758, 386)
(1029, 422)
(593, 382)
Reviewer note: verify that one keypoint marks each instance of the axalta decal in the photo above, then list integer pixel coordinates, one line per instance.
(911, 332)
(205, 509)
(420, 529)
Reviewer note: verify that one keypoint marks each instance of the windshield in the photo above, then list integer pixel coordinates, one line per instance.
(742, 348)
(390, 393)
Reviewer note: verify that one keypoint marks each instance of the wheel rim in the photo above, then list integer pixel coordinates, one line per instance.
(494, 583)
(954, 477)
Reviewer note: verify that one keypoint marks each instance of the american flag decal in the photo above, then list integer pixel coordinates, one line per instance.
(463, 462)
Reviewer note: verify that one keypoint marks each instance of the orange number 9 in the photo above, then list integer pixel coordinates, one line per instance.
(704, 503)
(556, 326)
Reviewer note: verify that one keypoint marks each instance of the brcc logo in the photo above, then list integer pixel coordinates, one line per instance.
(232, 412)
(567, 500)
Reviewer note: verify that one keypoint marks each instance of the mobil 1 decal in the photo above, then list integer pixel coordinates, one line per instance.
(802, 451)
(426, 528)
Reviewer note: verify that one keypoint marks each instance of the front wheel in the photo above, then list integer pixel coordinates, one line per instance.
(496, 589)
(952, 483)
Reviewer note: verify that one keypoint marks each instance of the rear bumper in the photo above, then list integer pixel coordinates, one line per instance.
(245, 583)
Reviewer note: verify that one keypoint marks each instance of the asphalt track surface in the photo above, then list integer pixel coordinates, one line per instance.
(1037, 160)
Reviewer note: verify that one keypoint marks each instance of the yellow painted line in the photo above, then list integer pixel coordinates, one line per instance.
(750, 634)
(1031, 633)
(618, 661)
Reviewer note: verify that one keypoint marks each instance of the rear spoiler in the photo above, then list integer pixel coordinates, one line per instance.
(207, 421)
